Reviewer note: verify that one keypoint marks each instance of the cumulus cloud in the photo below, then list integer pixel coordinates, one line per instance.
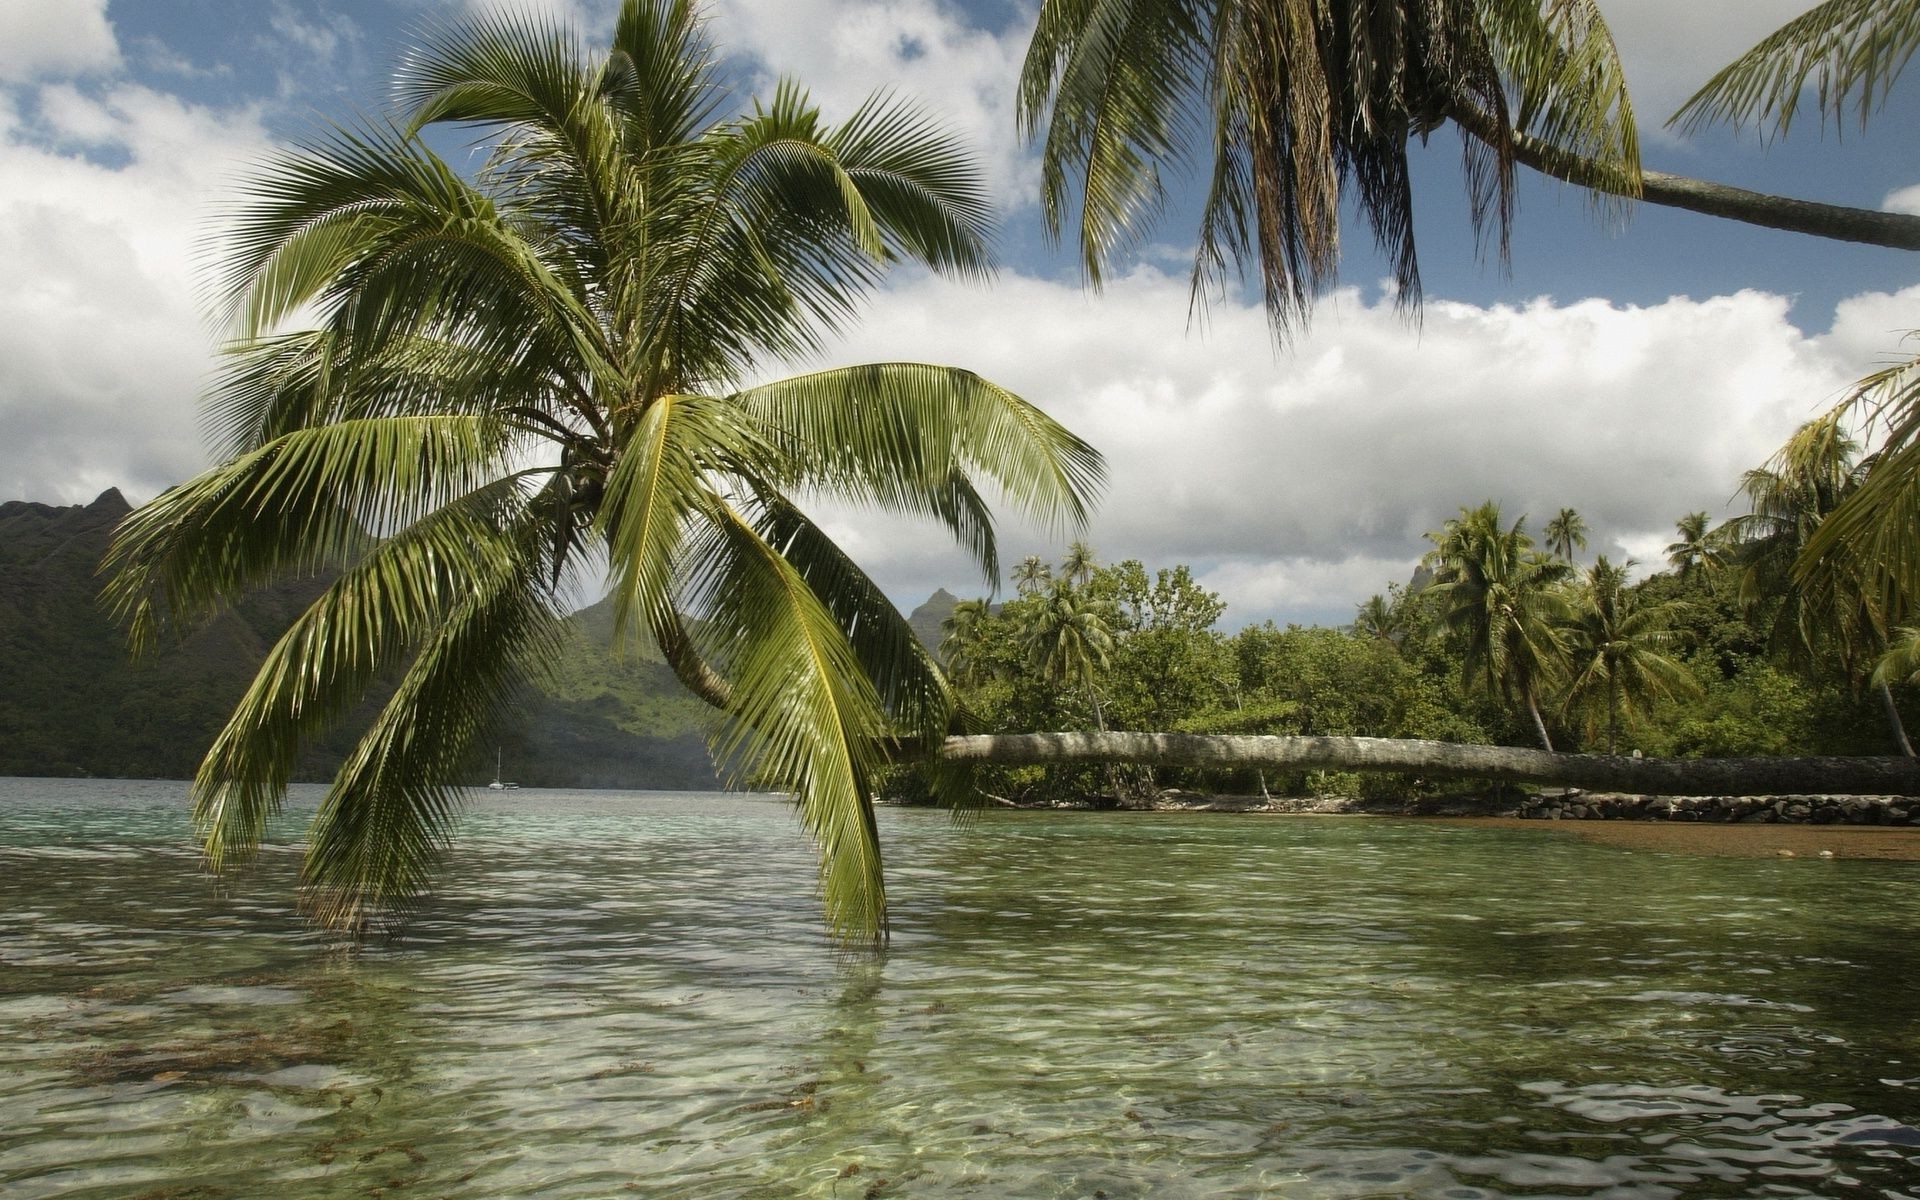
(925, 50)
(1298, 483)
(1904, 200)
(102, 349)
(39, 38)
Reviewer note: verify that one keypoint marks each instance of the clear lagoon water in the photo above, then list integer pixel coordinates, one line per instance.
(621, 994)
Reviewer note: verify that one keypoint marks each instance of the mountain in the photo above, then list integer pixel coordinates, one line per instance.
(925, 620)
(72, 702)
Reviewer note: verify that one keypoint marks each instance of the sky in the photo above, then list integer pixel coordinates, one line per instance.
(1628, 370)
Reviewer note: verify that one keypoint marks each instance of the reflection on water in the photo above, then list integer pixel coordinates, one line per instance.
(630, 994)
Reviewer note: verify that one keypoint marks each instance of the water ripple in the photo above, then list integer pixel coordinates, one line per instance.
(630, 994)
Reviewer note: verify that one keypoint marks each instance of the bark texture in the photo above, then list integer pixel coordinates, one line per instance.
(1647, 776)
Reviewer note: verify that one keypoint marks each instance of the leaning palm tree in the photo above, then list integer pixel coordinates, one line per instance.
(537, 374)
(1500, 598)
(1566, 530)
(1615, 644)
(1297, 108)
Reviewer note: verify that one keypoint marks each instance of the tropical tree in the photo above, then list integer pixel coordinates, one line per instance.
(1069, 638)
(1032, 575)
(517, 378)
(1832, 617)
(1696, 550)
(1079, 564)
(1291, 102)
(1566, 530)
(1616, 647)
(1378, 618)
(1500, 599)
(961, 633)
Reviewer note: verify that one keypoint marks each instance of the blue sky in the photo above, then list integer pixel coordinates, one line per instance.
(1631, 373)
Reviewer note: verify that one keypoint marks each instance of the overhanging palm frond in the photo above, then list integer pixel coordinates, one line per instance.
(805, 717)
(323, 665)
(381, 828)
(911, 689)
(304, 502)
(1852, 50)
(911, 436)
(1870, 529)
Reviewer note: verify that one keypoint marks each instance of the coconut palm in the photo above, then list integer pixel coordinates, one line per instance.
(1566, 530)
(1031, 575)
(1069, 636)
(1696, 550)
(1832, 616)
(1378, 617)
(1615, 644)
(521, 377)
(1079, 564)
(1296, 108)
(1500, 598)
(961, 632)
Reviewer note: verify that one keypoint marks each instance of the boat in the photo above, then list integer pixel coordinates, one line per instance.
(498, 784)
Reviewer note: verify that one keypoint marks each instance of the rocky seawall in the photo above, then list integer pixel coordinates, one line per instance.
(1756, 810)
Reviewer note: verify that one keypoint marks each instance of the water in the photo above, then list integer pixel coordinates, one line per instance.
(630, 994)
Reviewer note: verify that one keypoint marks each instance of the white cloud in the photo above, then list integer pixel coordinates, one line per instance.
(102, 349)
(1904, 200)
(1297, 484)
(40, 38)
(926, 51)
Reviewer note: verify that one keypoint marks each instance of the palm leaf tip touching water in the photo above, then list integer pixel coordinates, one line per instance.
(517, 377)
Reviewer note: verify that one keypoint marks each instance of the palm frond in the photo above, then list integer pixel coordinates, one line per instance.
(381, 829)
(306, 501)
(912, 436)
(324, 664)
(1851, 50)
(805, 716)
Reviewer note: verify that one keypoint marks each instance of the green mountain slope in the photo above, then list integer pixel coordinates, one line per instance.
(73, 703)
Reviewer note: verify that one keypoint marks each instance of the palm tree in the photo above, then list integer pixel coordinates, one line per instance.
(1079, 564)
(1292, 102)
(1565, 531)
(1832, 613)
(1031, 575)
(1614, 643)
(1501, 599)
(1069, 636)
(1378, 617)
(516, 378)
(1695, 551)
(960, 644)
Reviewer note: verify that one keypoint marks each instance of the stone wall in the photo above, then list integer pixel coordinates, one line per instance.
(1803, 810)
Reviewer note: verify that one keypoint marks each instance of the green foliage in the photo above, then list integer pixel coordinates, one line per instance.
(521, 376)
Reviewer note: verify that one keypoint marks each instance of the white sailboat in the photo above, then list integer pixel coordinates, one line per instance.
(498, 784)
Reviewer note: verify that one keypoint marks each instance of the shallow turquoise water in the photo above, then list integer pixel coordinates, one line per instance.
(630, 994)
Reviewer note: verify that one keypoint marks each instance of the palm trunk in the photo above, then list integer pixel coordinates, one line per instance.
(1887, 776)
(1897, 231)
(1539, 726)
(1613, 713)
(1893, 719)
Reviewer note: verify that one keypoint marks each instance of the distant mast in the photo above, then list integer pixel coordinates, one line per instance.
(498, 785)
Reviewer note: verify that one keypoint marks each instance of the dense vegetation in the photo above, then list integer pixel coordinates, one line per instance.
(1495, 640)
